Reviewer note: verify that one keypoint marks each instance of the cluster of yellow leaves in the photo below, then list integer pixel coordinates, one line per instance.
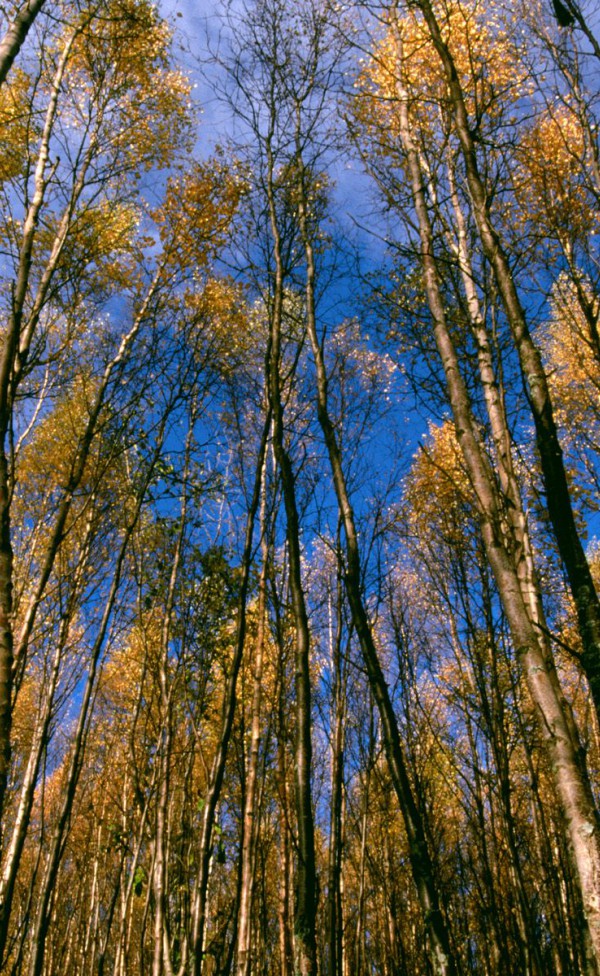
(155, 123)
(102, 235)
(14, 124)
(107, 228)
(270, 664)
(482, 42)
(549, 188)
(197, 212)
(219, 308)
(120, 59)
(24, 719)
(569, 349)
(437, 490)
(47, 459)
(46, 464)
(130, 664)
(125, 38)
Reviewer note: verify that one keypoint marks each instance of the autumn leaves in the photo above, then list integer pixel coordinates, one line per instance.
(265, 706)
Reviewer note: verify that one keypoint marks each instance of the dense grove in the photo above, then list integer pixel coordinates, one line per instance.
(299, 471)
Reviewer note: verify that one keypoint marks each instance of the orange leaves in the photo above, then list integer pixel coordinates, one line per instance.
(125, 41)
(437, 490)
(483, 46)
(119, 68)
(14, 125)
(219, 308)
(569, 342)
(551, 189)
(103, 239)
(154, 122)
(47, 459)
(571, 351)
(197, 213)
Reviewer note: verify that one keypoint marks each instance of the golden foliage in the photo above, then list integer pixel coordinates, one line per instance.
(119, 65)
(197, 212)
(132, 664)
(14, 124)
(571, 348)
(549, 185)
(24, 719)
(438, 493)
(48, 458)
(481, 39)
(220, 309)
(103, 239)
(126, 39)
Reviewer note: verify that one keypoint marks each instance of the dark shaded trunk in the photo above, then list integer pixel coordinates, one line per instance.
(422, 867)
(558, 497)
(555, 719)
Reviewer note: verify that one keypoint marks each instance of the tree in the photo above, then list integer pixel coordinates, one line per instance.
(54, 211)
(504, 528)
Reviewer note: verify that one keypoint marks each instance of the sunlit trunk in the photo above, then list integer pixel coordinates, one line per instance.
(420, 857)
(251, 811)
(532, 647)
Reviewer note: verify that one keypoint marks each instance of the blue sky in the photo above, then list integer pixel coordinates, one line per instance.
(198, 26)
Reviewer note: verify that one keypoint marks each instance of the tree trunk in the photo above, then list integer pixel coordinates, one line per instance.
(553, 711)
(15, 35)
(250, 823)
(420, 858)
(558, 498)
